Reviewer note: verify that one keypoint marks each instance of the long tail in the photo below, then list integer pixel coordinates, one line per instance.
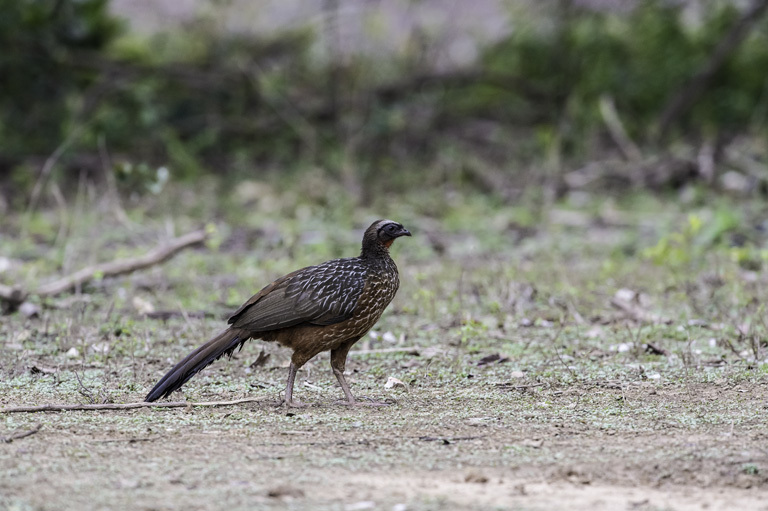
(223, 344)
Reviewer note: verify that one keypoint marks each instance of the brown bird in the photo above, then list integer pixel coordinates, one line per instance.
(318, 308)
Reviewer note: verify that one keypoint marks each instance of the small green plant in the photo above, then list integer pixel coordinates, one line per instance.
(676, 248)
(699, 236)
(750, 469)
(142, 177)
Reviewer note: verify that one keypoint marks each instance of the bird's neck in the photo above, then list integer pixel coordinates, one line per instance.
(374, 250)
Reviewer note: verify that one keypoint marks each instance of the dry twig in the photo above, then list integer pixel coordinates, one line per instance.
(122, 266)
(637, 313)
(123, 406)
(412, 350)
(23, 434)
(628, 148)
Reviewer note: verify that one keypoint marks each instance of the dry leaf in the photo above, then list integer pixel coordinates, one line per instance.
(534, 443)
(393, 382)
(489, 359)
(474, 477)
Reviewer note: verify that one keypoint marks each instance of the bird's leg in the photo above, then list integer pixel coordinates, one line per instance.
(292, 370)
(338, 364)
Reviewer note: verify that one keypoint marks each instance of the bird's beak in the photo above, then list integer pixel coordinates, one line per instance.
(405, 232)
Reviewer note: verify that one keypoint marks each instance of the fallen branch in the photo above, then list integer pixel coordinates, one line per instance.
(23, 434)
(124, 406)
(120, 267)
(15, 296)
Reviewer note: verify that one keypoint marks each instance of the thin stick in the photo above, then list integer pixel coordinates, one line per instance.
(119, 267)
(413, 350)
(557, 352)
(48, 166)
(636, 313)
(23, 434)
(628, 148)
(123, 406)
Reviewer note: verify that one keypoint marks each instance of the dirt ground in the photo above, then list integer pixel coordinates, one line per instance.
(651, 447)
(525, 386)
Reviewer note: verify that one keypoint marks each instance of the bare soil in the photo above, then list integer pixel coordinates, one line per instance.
(649, 446)
(526, 389)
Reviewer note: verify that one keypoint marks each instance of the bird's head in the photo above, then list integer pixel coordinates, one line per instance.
(382, 233)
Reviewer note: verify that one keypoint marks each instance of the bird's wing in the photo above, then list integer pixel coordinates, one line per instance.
(317, 295)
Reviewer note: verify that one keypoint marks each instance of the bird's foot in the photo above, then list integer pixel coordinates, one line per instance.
(292, 404)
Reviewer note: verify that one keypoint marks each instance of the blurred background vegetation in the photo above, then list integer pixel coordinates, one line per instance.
(500, 97)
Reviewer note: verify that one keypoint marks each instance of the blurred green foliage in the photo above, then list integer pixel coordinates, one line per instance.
(723, 227)
(200, 100)
(638, 58)
(42, 75)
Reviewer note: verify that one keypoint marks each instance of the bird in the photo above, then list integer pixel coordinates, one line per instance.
(326, 307)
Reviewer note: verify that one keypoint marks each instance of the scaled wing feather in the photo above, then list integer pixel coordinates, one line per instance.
(318, 295)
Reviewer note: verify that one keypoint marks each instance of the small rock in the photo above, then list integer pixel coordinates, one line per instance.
(736, 182)
(479, 421)
(73, 352)
(389, 337)
(625, 294)
(431, 351)
(360, 506)
(101, 348)
(29, 310)
(595, 332)
(142, 306)
(128, 484)
(23, 336)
